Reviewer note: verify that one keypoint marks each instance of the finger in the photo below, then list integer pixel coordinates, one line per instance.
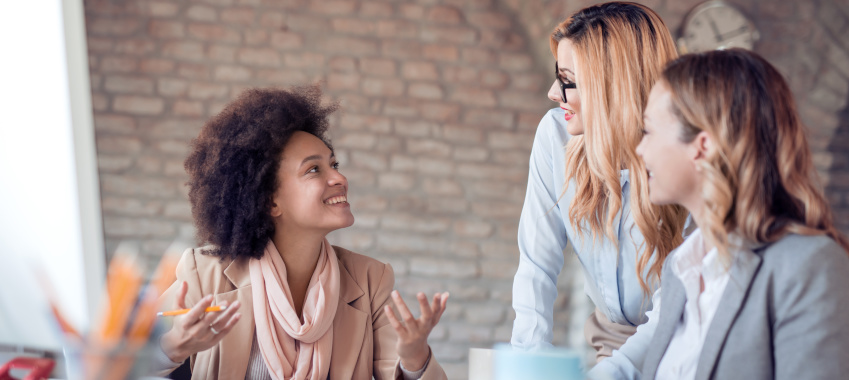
(399, 328)
(221, 317)
(195, 314)
(427, 312)
(210, 318)
(443, 302)
(229, 325)
(181, 295)
(402, 309)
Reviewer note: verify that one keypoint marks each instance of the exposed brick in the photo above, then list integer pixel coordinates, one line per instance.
(113, 164)
(411, 11)
(128, 85)
(202, 13)
(99, 102)
(191, 51)
(194, 71)
(440, 112)
(440, 52)
(258, 57)
(444, 14)
(442, 186)
(239, 16)
(333, 7)
(166, 29)
(478, 56)
(376, 9)
(256, 36)
(461, 74)
(188, 108)
(137, 46)
(462, 134)
(472, 229)
(100, 44)
(450, 35)
(304, 60)
(171, 87)
(206, 91)
(473, 96)
(138, 105)
(162, 9)
(348, 46)
(137, 227)
(396, 181)
(118, 64)
(232, 73)
(156, 66)
(401, 49)
(437, 267)
(382, 87)
(221, 53)
(397, 29)
(419, 71)
(428, 148)
(490, 20)
(353, 26)
(110, 123)
(112, 27)
(425, 91)
(213, 33)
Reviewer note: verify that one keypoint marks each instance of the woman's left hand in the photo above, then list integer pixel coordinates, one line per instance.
(412, 334)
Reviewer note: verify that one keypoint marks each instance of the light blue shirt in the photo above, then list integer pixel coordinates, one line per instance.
(610, 278)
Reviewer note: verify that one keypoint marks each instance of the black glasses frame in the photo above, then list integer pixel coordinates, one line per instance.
(563, 85)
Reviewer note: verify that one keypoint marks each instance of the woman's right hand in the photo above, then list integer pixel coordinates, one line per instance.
(197, 330)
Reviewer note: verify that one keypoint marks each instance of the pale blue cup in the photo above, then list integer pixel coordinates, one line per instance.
(548, 364)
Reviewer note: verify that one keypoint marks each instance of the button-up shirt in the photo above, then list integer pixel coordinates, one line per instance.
(610, 278)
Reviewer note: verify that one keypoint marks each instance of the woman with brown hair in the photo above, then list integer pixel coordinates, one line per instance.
(266, 189)
(593, 193)
(759, 291)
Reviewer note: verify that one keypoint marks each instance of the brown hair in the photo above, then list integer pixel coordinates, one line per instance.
(620, 51)
(760, 180)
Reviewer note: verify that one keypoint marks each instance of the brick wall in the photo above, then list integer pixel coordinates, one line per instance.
(440, 101)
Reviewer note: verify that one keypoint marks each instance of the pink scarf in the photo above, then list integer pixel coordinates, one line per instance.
(291, 349)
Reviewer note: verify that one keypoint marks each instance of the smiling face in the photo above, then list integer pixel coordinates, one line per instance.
(567, 73)
(674, 177)
(312, 194)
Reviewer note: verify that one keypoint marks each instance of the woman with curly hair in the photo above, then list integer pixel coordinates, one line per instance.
(586, 184)
(265, 191)
(759, 291)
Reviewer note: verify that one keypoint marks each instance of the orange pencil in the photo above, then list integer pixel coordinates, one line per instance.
(184, 311)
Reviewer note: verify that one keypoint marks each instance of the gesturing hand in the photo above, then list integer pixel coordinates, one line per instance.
(412, 334)
(196, 330)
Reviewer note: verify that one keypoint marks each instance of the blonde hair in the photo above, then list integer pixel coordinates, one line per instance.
(620, 50)
(760, 181)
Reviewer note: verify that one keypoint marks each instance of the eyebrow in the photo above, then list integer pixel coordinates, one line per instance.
(315, 157)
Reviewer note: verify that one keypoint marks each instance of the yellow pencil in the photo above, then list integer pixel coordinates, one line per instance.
(184, 311)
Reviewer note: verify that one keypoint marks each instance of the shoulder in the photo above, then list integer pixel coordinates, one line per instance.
(366, 271)
(798, 254)
(201, 268)
(552, 126)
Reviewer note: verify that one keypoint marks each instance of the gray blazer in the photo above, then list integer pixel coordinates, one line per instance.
(783, 315)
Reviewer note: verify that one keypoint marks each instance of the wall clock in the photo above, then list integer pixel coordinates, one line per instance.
(716, 25)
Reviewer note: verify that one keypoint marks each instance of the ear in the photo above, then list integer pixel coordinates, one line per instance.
(703, 146)
(276, 210)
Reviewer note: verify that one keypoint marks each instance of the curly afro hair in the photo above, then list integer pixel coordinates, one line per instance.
(234, 162)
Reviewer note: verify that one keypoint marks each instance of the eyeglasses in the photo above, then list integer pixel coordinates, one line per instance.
(563, 85)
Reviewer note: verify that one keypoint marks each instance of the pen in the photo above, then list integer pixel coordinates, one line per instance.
(184, 311)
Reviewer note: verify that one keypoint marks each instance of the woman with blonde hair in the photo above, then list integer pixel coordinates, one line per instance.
(587, 185)
(759, 291)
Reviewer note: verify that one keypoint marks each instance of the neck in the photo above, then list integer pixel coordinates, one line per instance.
(696, 211)
(300, 251)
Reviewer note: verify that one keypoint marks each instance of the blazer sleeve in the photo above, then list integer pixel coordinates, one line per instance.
(186, 271)
(811, 301)
(387, 364)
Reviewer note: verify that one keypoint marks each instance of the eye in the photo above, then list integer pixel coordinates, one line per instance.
(313, 169)
(335, 165)
(645, 132)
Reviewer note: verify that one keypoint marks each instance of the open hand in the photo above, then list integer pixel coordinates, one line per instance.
(412, 333)
(197, 330)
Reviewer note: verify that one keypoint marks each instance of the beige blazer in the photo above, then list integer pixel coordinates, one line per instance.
(363, 340)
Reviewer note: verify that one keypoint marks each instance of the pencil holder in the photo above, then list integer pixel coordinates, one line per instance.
(123, 361)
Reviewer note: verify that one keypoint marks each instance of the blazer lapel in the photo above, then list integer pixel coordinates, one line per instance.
(349, 328)
(740, 278)
(672, 303)
(235, 350)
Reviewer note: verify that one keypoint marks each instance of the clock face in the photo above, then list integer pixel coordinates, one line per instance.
(715, 25)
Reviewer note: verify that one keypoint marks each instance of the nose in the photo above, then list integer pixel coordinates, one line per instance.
(639, 150)
(336, 179)
(554, 93)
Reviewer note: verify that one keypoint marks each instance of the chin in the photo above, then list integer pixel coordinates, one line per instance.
(574, 128)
